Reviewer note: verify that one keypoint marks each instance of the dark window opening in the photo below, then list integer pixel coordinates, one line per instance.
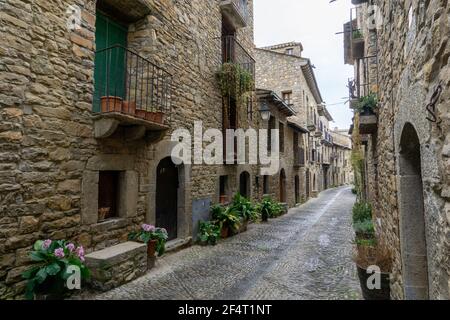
(271, 127)
(287, 97)
(266, 189)
(108, 194)
(281, 130)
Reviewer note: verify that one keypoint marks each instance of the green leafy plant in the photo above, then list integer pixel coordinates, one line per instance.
(362, 211)
(244, 208)
(225, 217)
(55, 262)
(209, 232)
(364, 229)
(269, 208)
(151, 233)
(367, 103)
(234, 81)
(357, 34)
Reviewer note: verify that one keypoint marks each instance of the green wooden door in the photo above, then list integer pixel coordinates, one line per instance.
(110, 61)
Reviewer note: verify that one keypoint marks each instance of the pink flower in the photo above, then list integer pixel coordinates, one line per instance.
(59, 253)
(80, 253)
(71, 247)
(148, 228)
(46, 244)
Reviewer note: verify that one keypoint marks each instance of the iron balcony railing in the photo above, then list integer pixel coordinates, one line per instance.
(237, 9)
(128, 83)
(233, 52)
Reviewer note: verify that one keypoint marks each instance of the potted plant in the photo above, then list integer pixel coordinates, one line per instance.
(367, 104)
(141, 113)
(245, 210)
(111, 104)
(129, 107)
(269, 208)
(154, 238)
(370, 254)
(226, 218)
(209, 233)
(54, 265)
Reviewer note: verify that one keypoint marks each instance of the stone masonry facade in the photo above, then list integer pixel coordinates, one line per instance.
(50, 160)
(407, 158)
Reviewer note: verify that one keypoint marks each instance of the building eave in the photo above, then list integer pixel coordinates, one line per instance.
(286, 109)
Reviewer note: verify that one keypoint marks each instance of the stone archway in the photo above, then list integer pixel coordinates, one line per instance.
(283, 198)
(297, 189)
(184, 207)
(412, 217)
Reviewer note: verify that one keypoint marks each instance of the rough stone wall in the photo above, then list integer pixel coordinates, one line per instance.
(413, 60)
(46, 132)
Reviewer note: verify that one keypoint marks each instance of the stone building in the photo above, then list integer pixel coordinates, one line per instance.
(282, 69)
(404, 61)
(342, 170)
(90, 93)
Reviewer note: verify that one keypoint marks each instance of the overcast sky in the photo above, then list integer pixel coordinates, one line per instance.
(314, 24)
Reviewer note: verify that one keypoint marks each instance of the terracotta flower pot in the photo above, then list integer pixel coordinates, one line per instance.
(129, 107)
(111, 104)
(151, 248)
(223, 199)
(150, 116)
(159, 117)
(141, 113)
(225, 232)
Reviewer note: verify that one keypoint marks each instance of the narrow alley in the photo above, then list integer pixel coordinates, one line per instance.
(304, 255)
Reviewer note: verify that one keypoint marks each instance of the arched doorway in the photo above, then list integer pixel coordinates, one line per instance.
(412, 217)
(283, 186)
(297, 189)
(167, 184)
(308, 184)
(314, 182)
(244, 184)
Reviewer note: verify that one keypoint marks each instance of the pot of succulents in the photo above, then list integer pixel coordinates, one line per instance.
(245, 209)
(154, 238)
(55, 262)
(209, 233)
(226, 218)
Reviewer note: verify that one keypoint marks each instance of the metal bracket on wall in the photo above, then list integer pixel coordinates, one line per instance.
(431, 107)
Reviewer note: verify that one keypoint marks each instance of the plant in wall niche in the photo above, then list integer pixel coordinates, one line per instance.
(56, 263)
(234, 81)
(226, 218)
(367, 104)
(209, 233)
(154, 238)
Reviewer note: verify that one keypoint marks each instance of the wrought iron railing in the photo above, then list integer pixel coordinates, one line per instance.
(233, 52)
(128, 83)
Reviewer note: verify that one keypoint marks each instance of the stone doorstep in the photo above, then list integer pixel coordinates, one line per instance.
(177, 244)
(115, 255)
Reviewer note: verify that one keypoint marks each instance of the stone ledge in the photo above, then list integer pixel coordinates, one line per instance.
(115, 255)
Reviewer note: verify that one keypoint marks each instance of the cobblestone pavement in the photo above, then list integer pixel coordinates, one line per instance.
(305, 254)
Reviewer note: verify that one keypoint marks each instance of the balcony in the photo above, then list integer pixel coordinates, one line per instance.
(299, 157)
(234, 53)
(132, 95)
(311, 126)
(357, 45)
(368, 123)
(236, 12)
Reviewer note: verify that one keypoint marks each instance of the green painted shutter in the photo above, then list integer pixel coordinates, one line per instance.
(110, 65)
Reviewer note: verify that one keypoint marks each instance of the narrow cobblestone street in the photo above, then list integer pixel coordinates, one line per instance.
(303, 255)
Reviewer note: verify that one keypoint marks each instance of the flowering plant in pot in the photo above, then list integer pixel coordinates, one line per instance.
(55, 263)
(154, 238)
